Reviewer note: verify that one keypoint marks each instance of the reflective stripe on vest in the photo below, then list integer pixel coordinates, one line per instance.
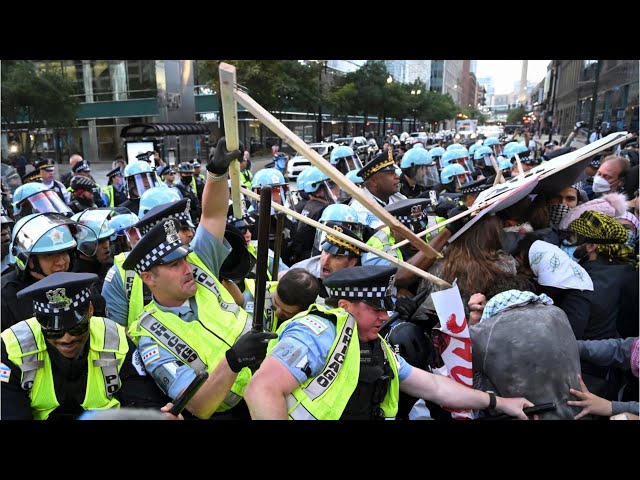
(30, 363)
(108, 348)
(383, 240)
(221, 322)
(326, 395)
(132, 284)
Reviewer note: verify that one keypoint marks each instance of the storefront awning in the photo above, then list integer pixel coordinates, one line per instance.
(161, 129)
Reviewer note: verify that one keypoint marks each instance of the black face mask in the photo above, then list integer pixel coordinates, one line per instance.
(186, 179)
(580, 252)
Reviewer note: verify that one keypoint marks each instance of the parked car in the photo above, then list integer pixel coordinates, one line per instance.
(420, 137)
(360, 145)
(298, 163)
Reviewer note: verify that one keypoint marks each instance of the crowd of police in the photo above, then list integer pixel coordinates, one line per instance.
(117, 297)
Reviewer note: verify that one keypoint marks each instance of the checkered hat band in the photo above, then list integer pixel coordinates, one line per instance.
(77, 300)
(359, 292)
(181, 217)
(472, 189)
(154, 255)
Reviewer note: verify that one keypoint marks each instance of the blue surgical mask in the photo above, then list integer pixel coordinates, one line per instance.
(633, 240)
(569, 249)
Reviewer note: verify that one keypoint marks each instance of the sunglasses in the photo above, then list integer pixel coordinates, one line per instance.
(76, 330)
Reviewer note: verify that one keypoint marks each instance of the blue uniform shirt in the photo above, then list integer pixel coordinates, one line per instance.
(203, 244)
(172, 375)
(303, 349)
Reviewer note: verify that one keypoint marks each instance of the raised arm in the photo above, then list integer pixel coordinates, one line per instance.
(215, 198)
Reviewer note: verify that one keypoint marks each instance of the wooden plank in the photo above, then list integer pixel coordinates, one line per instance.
(292, 139)
(230, 114)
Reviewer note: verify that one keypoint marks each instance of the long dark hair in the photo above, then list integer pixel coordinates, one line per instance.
(473, 258)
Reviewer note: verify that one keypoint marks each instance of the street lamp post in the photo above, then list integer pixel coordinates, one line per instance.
(415, 92)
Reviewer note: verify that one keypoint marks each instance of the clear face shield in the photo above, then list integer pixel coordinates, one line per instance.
(320, 237)
(139, 183)
(461, 179)
(45, 202)
(347, 164)
(426, 175)
(279, 194)
(466, 163)
(50, 234)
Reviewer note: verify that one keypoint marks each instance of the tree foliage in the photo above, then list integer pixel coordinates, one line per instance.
(515, 115)
(32, 100)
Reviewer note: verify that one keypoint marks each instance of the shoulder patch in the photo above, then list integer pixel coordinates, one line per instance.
(109, 275)
(5, 373)
(315, 325)
(137, 363)
(150, 354)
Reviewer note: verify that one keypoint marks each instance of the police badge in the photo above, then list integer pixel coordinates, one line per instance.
(170, 230)
(58, 298)
(391, 288)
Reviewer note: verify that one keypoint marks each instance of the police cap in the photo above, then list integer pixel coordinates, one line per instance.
(159, 246)
(116, 172)
(410, 210)
(374, 285)
(60, 300)
(178, 210)
(44, 163)
(336, 246)
(383, 162)
(473, 186)
(82, 166)
(32, 176)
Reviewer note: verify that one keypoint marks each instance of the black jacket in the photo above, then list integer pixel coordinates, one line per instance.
(11, 310)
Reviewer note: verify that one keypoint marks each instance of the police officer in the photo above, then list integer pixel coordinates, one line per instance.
(419, 173)
(138, 177)
(122, 289)
(471, 190)
(187, 189)
(34, 197)
(95, 256)
(198, 181)
(332, 363)
(382, 184)
(41, 244)
(63, 360)
(193, 323)
(82, 189)
(47, 169)
(113, 194)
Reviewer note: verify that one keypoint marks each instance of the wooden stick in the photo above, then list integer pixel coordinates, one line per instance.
(292, 139)
(519, 165)
(498, 178)
(352, 241)
(230, 114)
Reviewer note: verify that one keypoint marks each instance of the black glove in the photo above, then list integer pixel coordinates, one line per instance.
(443, 207)
(406, 307)
(455, 226)
(249, 350)
(220, 160)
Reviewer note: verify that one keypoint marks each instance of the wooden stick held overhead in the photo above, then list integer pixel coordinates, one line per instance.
(292, 139)
(230, 115)
(352, 241)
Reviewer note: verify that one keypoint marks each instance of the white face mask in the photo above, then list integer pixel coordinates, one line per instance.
(600, 185)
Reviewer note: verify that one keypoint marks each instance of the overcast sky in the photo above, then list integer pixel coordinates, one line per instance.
(506, 72)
